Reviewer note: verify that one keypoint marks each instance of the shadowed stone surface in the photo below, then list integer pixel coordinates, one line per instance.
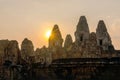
(27, 49)
(82, 31)
(90, 56)
(3, 45)
(55, 43)
(55, 40)
(9, 50)
(12, 52)
(103, 37)
(43, 55)
(68, 41)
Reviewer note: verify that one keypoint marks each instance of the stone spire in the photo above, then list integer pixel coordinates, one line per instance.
(55, 40)
(27, 49)
(68, 41)
(82, 32)
(103, 37)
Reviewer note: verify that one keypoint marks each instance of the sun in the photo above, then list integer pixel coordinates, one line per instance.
(48, 33)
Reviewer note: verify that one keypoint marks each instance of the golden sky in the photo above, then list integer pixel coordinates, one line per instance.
(33, 18)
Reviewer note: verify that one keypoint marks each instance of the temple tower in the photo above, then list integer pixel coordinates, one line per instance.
(82, 32)
(103, 37)
(55, 44)
(68, 41)
(55, 40)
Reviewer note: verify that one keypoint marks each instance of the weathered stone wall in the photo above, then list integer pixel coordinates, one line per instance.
(43, 55)
(3, 45)
(12, 52)
(9, 50)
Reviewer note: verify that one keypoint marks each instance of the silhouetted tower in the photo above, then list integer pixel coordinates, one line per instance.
(103, 37)
(55, 40)
(82, 32)
(68, 41)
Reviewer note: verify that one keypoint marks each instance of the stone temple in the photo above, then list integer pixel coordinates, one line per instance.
(86, 45)
(16, 63)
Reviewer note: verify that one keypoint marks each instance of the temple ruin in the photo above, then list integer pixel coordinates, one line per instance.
(91, 46)
(86, 45)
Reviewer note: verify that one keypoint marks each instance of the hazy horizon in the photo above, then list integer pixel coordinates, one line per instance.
(33, 18)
